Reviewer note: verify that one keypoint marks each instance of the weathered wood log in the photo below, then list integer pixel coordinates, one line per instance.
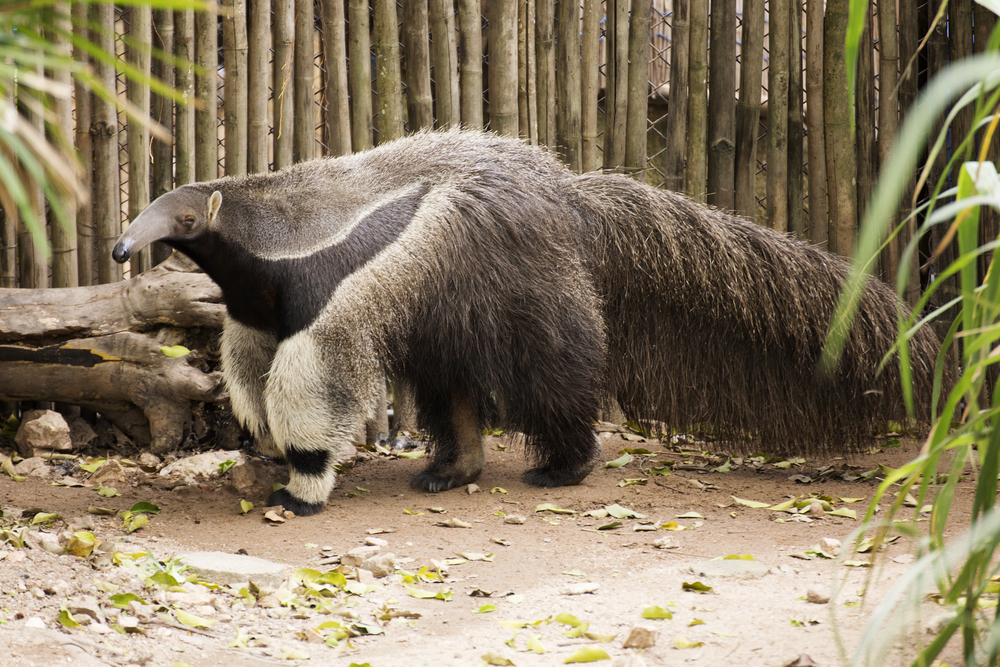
(99, 347)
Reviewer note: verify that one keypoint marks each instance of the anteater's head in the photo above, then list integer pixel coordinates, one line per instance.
(176, 218)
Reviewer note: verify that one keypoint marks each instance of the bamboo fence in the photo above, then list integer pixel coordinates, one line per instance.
(756, 123)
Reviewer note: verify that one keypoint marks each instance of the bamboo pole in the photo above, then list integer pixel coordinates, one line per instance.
(888, 116)
(140, 32)
(989, 220)
(748, 107)
(697, 121)
(258, 77)
(470, 54)
(616, 91)
(909, 39)
(523, 121)
(545, 44)
(162, 179)
(815, 129)
(680, 52)
(206, 117)
(796, 222)
(638, 85)
(865, 117)
(531, 72)
(841, 169)
(184, 128)
(83, 101)
(338, 109)
(590, 59)
(420, 106)
(107, 196)
(304, 105)
(442, 25)
(503, 67)
(236, 100)
(568, 95)
(722, 101)
(9, 219)
(64, 257)
(777, 117)
(359, 74)
(960, 46)
(388, 81)
(284, 84)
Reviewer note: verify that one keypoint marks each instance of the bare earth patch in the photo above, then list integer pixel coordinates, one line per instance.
(524, 571)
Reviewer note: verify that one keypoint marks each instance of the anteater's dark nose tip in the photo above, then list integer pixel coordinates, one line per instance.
(120, 254)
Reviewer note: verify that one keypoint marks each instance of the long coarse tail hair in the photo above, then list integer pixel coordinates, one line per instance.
(715, 325)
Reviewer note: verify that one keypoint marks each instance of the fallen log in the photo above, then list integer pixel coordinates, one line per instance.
(101, 347)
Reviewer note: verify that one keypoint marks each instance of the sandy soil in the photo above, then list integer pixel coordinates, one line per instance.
(761, 621)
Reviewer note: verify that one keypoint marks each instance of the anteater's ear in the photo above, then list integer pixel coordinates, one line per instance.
(214, 202)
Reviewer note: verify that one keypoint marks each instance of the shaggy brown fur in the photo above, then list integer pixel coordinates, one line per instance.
(496, 283)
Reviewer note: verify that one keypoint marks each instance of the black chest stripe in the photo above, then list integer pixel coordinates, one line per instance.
(287, 295)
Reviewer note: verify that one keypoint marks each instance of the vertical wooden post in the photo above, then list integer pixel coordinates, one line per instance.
(841, 170)
(697, 163)
(568, 83)
(418, 64)
(523, 120)
(616, 91)
(545, 43)
(796, 222)
(590, 61)
(864, 135)
(680, 51)
(140, 32)
(107, 196)
(284, 83)
(304, 105)
(748, 107)
(777, 117)
(359, 74)
(184, 129)
(338, 110)
(960, 46)
(503, 67)
(236, 100)
(470, 54)
(388, 81)
(64, 258)
(85, 148)
(442, 25)
(206, 118)
(259, 76)
(638, 85)
(888, 116)
(163, 108)
(815, 128)
(722, 101)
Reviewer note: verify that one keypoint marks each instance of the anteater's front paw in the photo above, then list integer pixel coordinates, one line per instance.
(435, 482)
(300, 507)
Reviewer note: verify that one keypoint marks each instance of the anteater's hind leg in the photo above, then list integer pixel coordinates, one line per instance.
(566, 451)
(457, 455)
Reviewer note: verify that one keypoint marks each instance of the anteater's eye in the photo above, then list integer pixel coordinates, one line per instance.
(188, 221)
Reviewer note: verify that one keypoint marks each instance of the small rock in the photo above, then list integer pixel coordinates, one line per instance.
(48, 430)
(35, 466)
(816, 509)
(128, 623)
(111, 471)
(355, 557)
(80, 432)
(515, 519)
(737, 569)
(288, 514)
(903, 559)
(818, 595)
(370, 541)
(201, 465)
(223, 568)
(269, 602)
(143, 612)
(830, 545)
(101, 629)
(149, 460)
(47, 543)
(472, 488)
(631, 660)
(86, 609)
(664, 543)
(580, 588)
(34, 622)
(38, 593)
(243, 477)
(380, 565)
(365, 577)
(640, 637)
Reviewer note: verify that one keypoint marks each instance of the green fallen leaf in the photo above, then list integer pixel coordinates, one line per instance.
(696, 621)
(849, 500)
(421, 594)
(494, 659)
(121, 600)
(82, 543)
(597, 637)
(619, 512)
(175, 351)
(193, 621)
(497, 489)
(535, 645)
(610, 526)
(93, 464)
(135, 523)
(622, 460)
(697, 587)
(843, 511)
(739, 557)
(575, 573)
(587, 654)
(107, 491)
(689, 515)
(411, 512)
(485, 609)
(144, 508)
(293, 654)
(640, 481)
(656, 613)
(549, 507)
(786, 506)
(101, 511)
(750, 503)
(245, 506)
(241, 639)
(44, 517)
(682, 643)
(567, 619)
(415, 454)
(66, 619)
(225, 466)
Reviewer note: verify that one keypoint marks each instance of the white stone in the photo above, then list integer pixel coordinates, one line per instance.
(201, 465)
(222, 568)
(355, 557)
(737, 569)
(47, 430)
(580, 588)
(380, 565)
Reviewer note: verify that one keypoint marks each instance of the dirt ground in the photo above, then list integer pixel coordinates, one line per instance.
(742, 621)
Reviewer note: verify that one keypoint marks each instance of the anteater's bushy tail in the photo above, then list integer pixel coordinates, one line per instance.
(715, 325)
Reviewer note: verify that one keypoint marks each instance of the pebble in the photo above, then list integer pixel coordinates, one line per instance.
(515, 519)
(355, 557)
(580, 588)
(370, 541)
(663, 543)
(818, 595)
(816, 509)
(830, 545)
(34, 622)
(640, 637)
(380, 565)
